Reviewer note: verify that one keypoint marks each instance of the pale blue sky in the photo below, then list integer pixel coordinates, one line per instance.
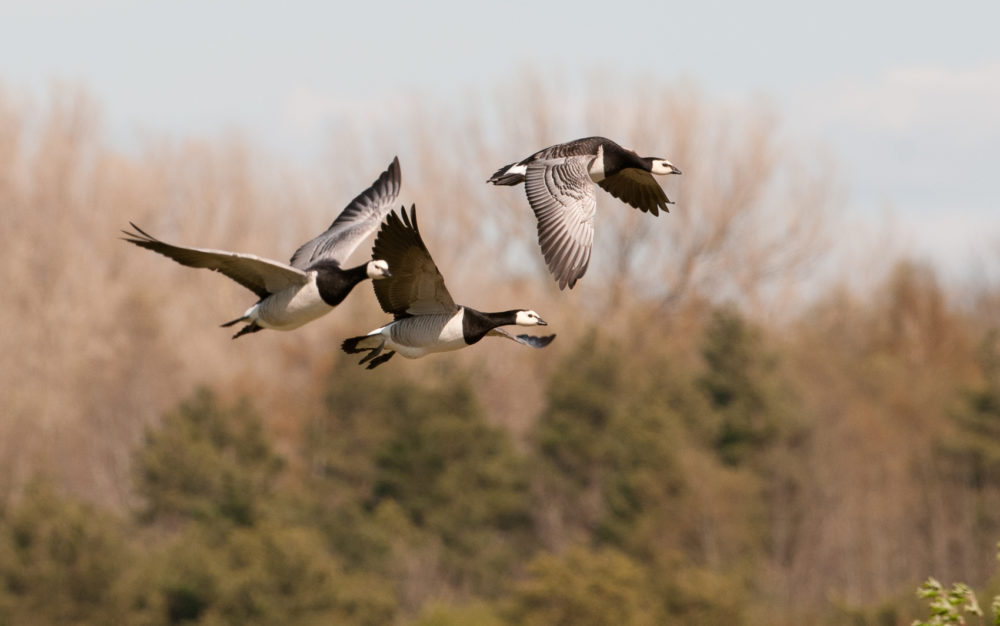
(906, 95)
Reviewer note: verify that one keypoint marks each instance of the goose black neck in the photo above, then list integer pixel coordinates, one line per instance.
(617, 159)
(475, 324)
(334, 282)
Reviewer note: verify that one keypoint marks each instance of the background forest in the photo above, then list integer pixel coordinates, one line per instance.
(753, 413)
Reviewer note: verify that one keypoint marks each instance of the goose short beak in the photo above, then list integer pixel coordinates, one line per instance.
(676, 171)
(542, 322)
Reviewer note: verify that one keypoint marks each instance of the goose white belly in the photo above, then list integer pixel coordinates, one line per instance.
(414, 337)
(290, 308)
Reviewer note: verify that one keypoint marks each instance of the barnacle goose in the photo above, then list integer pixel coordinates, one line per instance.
(314, 281)
(559, 184)
(426, 319)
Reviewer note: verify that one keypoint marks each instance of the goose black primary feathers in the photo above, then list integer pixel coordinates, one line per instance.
(416, 287)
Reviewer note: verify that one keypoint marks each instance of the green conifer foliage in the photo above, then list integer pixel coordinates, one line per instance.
(207, 462)
(740, 386)
(584, 587)
(427, 453)
(61, 562)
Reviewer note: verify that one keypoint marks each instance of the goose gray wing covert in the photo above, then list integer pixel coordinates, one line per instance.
(359, 219)
(415, 287)
(587, 146)
(562, 196)
(259, 275)
(638, 189)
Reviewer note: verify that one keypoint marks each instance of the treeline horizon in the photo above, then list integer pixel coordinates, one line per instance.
(735, 422)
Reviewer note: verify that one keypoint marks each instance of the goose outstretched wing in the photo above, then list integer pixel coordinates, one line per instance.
(528, 340)
(639, 189)
(416, 287)
(259, 275)
(358, 220)
(562, 196)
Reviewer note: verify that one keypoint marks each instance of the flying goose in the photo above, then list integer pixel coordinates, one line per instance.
(314, 281)
(426, 318)
(559, 184)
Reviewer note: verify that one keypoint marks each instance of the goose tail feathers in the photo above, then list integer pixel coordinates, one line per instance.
(511, 174)
(242, 318)
(362, 343)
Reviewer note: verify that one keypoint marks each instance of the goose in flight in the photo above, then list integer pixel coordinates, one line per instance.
(559, 182)
(314, 281)
(426, 319)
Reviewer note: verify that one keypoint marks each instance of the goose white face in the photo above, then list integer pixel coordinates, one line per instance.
(529, 318)
(663, 166)
(378, 269)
